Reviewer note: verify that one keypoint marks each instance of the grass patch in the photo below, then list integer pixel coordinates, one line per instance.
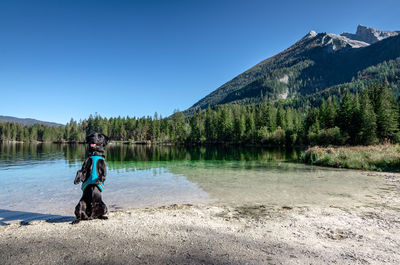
(385, 157)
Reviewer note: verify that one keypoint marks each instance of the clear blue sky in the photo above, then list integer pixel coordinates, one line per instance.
(63, 59)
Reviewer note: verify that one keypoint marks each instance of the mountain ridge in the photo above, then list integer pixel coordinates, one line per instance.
(27, 121)
(369, 35)
(314, 63)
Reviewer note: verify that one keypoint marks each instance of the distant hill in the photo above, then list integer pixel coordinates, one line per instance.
(27, 121)
(318, 65)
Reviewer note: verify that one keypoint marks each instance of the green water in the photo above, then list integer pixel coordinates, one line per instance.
(37, 179)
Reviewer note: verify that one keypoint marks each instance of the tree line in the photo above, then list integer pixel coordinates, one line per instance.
(368, 117)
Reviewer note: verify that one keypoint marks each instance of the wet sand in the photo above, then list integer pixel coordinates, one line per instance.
(217, 234)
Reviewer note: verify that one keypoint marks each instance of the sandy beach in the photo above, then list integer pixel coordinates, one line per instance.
(216, 234)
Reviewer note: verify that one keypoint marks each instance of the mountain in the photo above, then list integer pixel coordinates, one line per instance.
(317, 63)
(369, 35)
(27, 121)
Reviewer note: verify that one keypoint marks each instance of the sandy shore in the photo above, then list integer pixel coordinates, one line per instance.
(216, 234)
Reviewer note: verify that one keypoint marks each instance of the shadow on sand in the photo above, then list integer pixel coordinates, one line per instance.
(7, 217)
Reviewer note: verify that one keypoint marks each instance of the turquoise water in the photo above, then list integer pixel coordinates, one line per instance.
(37, 179)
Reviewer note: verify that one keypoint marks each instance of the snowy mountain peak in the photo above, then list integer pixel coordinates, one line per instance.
(363, 37)
(310, 35)
(369, 35)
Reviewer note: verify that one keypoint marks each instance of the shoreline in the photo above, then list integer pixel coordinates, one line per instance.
(217, 234)
(150, 143)
(378, 158)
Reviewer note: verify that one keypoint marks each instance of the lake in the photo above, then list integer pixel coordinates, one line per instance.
(36, 180)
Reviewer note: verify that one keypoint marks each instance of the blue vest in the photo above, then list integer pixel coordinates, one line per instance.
(93, 176)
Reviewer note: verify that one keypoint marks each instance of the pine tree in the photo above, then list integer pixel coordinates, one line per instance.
(280, 117)
(345, 115)
(387, 113)
(239, 126)
(250, 126)
(367, 134)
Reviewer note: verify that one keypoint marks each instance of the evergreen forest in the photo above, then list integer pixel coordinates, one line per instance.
(365, 118)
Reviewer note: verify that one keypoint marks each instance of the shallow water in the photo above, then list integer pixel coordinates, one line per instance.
(37, 180)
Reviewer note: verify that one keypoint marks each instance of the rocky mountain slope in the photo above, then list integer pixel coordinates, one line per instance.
(369, 35)
(316, 63)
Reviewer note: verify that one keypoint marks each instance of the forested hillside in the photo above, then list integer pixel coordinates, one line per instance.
(315, 67)
(27, 121)
(366, 118)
